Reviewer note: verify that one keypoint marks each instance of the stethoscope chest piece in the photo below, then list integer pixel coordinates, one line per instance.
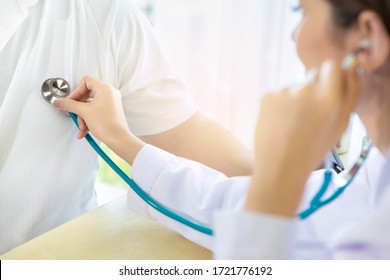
(55, 88)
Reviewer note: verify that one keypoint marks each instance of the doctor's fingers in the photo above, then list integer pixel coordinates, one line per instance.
(69, 105)
(82, 133)
(88, 88)
(339, 83)
(351, 88)
(338, 92)
(83, 128)
(82, 110)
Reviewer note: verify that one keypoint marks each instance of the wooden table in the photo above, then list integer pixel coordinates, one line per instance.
(110, 232)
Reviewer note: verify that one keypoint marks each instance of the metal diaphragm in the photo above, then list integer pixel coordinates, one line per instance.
(55, 88)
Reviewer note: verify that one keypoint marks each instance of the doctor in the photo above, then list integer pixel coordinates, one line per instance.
(255, 217)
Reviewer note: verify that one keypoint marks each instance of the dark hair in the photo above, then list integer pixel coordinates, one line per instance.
(346, 12)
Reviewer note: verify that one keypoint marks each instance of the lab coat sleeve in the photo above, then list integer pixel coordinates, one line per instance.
(247, 235)
(12, 14)
(187, 187)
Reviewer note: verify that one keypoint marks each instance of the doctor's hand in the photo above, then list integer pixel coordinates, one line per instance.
(296, 128)
(99, 110)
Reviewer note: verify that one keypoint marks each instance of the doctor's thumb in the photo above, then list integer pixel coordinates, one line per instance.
(68, 105)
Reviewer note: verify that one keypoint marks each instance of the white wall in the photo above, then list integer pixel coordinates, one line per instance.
(229, 53)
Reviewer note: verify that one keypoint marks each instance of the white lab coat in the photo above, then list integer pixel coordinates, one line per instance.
(215, 200)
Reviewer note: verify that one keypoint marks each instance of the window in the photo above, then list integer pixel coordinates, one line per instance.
(229, 53)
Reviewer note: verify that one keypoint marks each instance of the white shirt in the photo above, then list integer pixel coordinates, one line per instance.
(12, 14)
(211, 198)
(47, 175)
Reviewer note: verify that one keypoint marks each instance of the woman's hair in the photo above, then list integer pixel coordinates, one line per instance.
(346, 12)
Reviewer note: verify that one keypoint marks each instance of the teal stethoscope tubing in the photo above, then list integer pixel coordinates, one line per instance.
(148, 199)
(315, 204)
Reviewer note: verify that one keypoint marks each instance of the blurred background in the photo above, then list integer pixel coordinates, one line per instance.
(229, 53)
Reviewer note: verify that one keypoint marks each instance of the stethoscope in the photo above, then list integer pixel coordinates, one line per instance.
(58, 88)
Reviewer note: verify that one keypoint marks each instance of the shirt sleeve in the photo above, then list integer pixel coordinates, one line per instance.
(186, 187)
(247, 235)
(154, 98)
(12, 14)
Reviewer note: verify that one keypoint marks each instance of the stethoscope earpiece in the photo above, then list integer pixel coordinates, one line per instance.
(350, 58)
(55, 88)
(365, 44)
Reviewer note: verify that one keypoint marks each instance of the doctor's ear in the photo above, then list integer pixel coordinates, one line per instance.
(376, 40)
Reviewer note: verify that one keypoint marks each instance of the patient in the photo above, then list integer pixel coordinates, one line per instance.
(114, 41)
(255, 217)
